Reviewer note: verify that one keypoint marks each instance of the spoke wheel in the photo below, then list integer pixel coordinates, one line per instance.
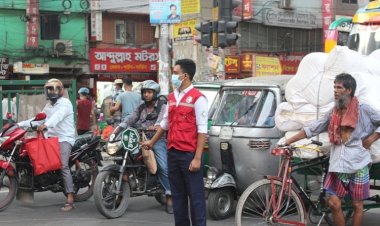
(109, 202)
(254, 206)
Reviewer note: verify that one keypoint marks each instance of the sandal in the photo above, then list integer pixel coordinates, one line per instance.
(68, 207)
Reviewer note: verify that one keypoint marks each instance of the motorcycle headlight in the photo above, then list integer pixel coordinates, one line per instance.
(211, 173)
(2, 140)
(112, 148)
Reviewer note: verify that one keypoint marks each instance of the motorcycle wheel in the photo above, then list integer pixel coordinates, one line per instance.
(221, 203)
(89, 167)
(7, 190)
(108, 202)
(160, 198)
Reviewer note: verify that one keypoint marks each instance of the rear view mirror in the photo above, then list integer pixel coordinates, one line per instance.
(40, 116)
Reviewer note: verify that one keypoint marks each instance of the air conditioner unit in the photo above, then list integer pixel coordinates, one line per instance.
(286, 4)
(63, 47)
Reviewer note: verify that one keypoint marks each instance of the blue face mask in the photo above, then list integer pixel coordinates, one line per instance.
(175, 81)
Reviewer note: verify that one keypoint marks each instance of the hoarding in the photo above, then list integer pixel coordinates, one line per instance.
(164, 11)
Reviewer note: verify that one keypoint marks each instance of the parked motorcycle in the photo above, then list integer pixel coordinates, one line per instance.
(17, 173)
(127, 177)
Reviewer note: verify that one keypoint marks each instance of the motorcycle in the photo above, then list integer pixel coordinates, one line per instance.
(17, 173)
(127, 177)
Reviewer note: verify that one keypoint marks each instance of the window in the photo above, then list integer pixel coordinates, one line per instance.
(125, 32)
(350, 1)
(246, 108)
(50, 27)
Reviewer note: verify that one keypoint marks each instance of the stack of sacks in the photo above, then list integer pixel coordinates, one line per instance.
(310, 92)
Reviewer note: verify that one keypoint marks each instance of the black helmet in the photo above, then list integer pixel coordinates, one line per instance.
(150, 85)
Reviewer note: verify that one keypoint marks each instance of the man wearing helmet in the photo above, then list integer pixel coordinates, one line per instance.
(146, 116)
(60, 123)
(85, 110)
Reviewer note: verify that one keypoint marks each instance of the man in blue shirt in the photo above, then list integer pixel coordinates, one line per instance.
(352, 128)
(126, 101)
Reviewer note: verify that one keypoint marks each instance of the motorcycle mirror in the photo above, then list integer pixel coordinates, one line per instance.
(40, 116)
(9, 115)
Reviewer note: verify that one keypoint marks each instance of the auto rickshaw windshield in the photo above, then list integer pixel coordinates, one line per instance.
(246, 108)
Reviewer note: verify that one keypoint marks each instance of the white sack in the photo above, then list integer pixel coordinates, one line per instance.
(306, 153)
(367, 89)
(375, 151)
(308, 74)
(344, 60)
(288, 118)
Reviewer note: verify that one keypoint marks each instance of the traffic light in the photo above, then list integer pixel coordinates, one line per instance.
(205, 37)
(227, 35)
(226, 7)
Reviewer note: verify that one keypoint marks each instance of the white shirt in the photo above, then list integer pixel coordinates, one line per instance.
(200, 107)
(59, 120)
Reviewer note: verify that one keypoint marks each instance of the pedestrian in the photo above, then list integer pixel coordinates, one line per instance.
(126, 101)
(85, 109)
(352, 128)
(118, 89)
(60, 123)
(185, 119)
(147, 116)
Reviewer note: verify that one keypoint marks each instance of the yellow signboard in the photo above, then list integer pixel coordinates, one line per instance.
(264, 65)
(184, 31)
(190, 6)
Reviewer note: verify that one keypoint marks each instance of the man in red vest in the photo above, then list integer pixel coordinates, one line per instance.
(186, 122)
(85, 111)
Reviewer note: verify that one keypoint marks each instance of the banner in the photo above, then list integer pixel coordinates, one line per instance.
(246, 63)
(184, 31)
(244, 10)
(265, 65)
(123, 60)
(232, 64)
(191, 6)
(326, 17)
(164, 11)
(32, 24)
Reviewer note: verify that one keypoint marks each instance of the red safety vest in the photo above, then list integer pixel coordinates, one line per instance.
(183, 131)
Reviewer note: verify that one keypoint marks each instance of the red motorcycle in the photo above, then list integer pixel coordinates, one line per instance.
(17, 173)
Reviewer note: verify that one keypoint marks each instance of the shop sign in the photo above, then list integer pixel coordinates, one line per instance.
(285, 18)
(266, 65)
(232, 64)
(290, 62)
(32, 23)
(246, 62)
(30, 68)
(96, 21)
(327, 16)
(184, 31)
(244, 10)
(123, 60)
(4, 68)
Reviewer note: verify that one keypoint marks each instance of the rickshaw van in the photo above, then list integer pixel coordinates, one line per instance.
(241, 136)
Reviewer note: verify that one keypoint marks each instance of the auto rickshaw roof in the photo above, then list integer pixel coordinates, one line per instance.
(264, 81)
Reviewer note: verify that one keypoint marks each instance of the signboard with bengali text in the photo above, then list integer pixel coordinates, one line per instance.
(32, 24)
(184, 31)
(266, 65)
(123, 60)
(232, 64)
(164, 11)
(190, 6)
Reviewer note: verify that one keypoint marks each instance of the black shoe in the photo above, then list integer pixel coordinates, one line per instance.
(169, 209)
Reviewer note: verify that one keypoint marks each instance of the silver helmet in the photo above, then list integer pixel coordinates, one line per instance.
(150, 85)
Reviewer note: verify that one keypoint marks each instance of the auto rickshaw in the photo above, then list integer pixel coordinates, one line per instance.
(241, 135)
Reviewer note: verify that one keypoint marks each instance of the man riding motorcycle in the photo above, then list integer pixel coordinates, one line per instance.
(60, 123)
(146, 116)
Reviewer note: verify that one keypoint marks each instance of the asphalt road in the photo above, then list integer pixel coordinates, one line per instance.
(142, 211)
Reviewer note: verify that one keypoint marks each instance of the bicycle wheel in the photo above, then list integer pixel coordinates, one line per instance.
(254, 206)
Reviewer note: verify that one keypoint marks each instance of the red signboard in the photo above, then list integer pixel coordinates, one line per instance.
(326, 16)
(244, 11)
(123, 60)
(32, 14)
(232, 64)
(246, 62)
(290, 62)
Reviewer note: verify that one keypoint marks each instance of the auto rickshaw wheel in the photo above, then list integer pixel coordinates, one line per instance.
(221, 203)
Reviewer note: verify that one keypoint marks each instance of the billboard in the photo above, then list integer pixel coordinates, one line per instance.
(164, 11)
